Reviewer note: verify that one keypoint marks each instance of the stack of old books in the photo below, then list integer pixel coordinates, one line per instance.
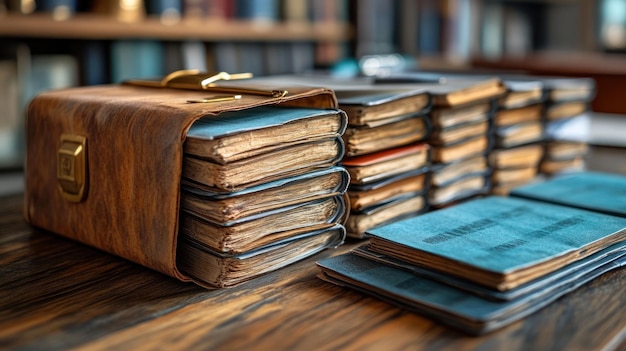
(567, 123)
(386, 156)
(485, 263)
(461, 137)
(261, 189)
(518, 135)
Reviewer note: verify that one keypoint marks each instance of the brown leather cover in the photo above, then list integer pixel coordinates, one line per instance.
(134, 148)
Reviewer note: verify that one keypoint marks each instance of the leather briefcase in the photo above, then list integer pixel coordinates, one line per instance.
(103, 163)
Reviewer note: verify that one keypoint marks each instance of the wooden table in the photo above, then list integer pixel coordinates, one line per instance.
(59, 294)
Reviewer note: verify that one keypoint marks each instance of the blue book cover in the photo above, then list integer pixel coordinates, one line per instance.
(454, 307)
(594, 191)
(136, 59)
(557, 277)
(233, 136)
(258, 10)
(499, 242)
(228, 123)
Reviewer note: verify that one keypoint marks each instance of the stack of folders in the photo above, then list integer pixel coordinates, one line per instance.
(461, 139)
(485, 263)
(518, 134)
(567, 123)
(385, 154)
(386, 186)
(261, 189)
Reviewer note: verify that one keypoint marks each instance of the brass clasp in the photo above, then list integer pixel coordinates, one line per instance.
(193, 79)
(72, 167)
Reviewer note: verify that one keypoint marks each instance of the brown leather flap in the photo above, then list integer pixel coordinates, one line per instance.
(134, 138)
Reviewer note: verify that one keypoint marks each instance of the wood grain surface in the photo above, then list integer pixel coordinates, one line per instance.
(56, 294)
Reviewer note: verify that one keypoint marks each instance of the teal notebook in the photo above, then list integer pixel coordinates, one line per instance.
(454, 307)
(498, 242)
(594, 191)
(228, 123)
(556, 278)
(236, 135)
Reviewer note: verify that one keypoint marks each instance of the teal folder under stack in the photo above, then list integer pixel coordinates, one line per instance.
(485, 263)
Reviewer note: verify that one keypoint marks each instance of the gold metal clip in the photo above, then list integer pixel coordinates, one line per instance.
(193, 79)
(72, 172)
(215, 99)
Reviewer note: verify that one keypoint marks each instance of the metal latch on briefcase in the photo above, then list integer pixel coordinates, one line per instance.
(72, 167)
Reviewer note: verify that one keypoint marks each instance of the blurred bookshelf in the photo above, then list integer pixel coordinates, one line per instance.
(100, 27)
(49, 44)
(576, 38)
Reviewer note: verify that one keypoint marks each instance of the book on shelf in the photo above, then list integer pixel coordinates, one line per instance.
(139, 132)
(136, 58)
(128, 11)
(260, 12)
(168, 11)
(485, 263)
